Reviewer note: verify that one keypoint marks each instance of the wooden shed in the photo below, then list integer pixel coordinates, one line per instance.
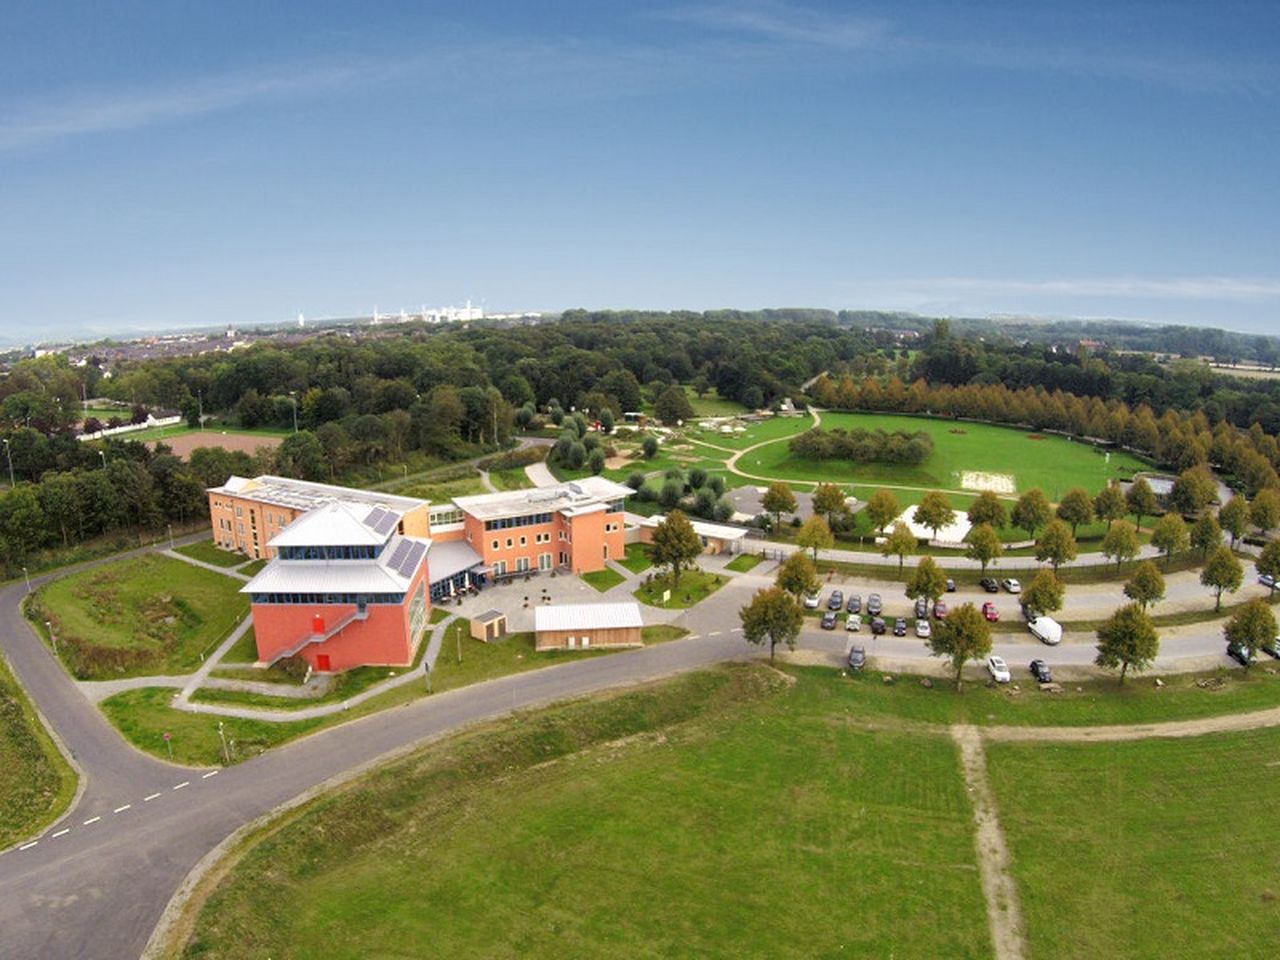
(582, 626)
(490, 625)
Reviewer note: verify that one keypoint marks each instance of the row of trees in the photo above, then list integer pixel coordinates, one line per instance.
(864, 446)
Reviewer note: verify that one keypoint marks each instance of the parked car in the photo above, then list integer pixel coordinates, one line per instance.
(922, 607)
(1272, 648)
(857, 657)
(877, 625)
(998, 669)
(989, 584)
(1028, 613)
(1239, 653)
(1040, 670)
(1011, 585)
(855, 603)
(940, 610)
(811, 601)
(951, 585)
(1047, 630)
(852, 621)
(836, 600)
(874, 606)
(900, 627)
(828, 621)
(990, 612)
(923, 630)
(1268, 581)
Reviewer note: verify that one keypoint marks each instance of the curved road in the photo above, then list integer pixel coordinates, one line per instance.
(95, 884)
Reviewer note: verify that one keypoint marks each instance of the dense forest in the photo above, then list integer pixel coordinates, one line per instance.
(447, 392)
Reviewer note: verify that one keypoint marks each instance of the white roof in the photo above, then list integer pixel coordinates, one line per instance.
(573, 498)
(303, 494)
(342, 576)
(587, 616)
(719, 531)
(333, 524)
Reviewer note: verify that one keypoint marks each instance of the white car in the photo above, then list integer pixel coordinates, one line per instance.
(811, 601)
(998, 669)
(923, 630)
(852, 621)
(1011, 585)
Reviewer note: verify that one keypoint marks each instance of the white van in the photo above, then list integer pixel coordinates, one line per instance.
(1047, 629)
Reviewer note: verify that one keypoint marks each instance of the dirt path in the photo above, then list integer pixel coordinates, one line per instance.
(1004, 912)
(1226, 723)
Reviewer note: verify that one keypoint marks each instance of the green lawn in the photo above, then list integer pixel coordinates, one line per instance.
(442, 490)
(711, 404)
(253, 567)
(513, 478)
(144, 615)
(603, 580)
(244, 650)
(1158, 848)
(695, 586)
(744, 562)
(639, 558)
(206, 552)
(36, 782)
(718, 814)
(1054, 464)
(771, 429)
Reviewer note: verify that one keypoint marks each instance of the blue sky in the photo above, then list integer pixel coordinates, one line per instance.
(169, 164)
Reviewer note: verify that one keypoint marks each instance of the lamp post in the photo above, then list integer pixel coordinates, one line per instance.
(53, 637)
(26, 576)
(294, 400)
(170, 526)
(200, 408)
(226, 756)
(103, 455)
(9, 456)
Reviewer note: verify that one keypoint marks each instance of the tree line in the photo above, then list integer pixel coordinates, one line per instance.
(864, 446)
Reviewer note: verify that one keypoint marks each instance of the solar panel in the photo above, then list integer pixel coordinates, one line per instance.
(375, 517)
(410, 563)
(398, 554)
(387, 523)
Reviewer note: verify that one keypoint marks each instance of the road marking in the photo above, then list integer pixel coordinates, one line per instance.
(211, 773)
(736, 630)
(696, 636)
(122, 809)
(714, 633)
(184, 783)
(28, 846)
(63, 831)
(92, 820)
(152, 797)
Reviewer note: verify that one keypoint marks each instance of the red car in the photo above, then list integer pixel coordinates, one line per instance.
(990, 612)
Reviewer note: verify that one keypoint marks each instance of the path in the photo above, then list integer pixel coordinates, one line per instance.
(213, 567)
(487, 482)
(540, 475)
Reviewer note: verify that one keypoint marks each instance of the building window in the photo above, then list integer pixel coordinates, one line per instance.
(544, 561)
(524, 541)
(496, 544)
(510, 543)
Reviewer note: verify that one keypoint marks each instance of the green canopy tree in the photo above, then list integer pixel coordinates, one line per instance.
(649, 447)
(772, 617)
(1142, 500)
(828, 500)
(927, 580)
(1127, 639)
(1056, 545)
(1045, 592)
(963, 636)
(1110, 504)
(1170, 536)
(779, 499)
(815, 535)
(1206, 534)
(881, 510)
(797, 575)
(984, 546)
(1120, 543)
(1193, 490)
(1251, 626)
(1222, 572)
(675, 545)
(990, 509)
(1265, 510)
(934, 511)
(901, 543)
(1268, 563)
(673, 405)
(1234, 518)
(1032, 511)
(1076, 508)
(1146, 585)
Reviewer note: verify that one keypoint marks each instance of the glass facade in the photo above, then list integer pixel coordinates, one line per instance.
(362, 552)
(360, 599)
(528, 520)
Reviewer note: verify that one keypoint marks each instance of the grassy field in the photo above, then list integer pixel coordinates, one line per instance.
(711, 404)
(744, 562)
(36, 783)
(695, 586)
(206, 552)
(513, 478)
(1054, 464)
(603, 580)
(244, 650)
(719, 814)
(638, 558)
(145, 615)
(439, 491)
(1156, 848)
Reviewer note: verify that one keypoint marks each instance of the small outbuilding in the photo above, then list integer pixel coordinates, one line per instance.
(582, 626)
(715, 537)
(488, 626)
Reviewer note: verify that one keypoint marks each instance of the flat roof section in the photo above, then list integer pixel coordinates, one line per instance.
(304, 494)
(587, 616)
(717, 531)
(574, 497)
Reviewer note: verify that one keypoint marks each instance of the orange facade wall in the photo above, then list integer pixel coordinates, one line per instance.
(575, 542)
(245, 525)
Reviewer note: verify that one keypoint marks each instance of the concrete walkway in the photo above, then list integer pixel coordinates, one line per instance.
(316, 687)
(197, 679)
(225, 571)
(99, 690)
(540, 475)
(488, 483)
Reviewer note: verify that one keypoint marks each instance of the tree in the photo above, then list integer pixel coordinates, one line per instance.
(1205, 533)
(1056, 544)
(1032, 511)
(1141, 500)
(779, 499)
(963, 636)
(1234, 517)
(596, 461)
(1145, 585)
(673, 405)
(671, 493)
(1193, 490)
(881, 509)
(607, 421)
(1169, 535)
(1268, 562)
(985, 545)
(815, 535)
(935, 511)
(300, 455)
(675, 545)
(989, 509)
(828, 500)
(900, 542)
(773, 616)
(1127, 639)
(797, 575)
(1076, 508)
(1044, 593)
(927, 580)
(1110, 504)
(1265, 510)
(1251, 626)
(1120, 543)
(1222, 572)
(649, 446)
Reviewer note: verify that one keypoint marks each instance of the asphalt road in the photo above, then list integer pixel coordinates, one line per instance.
(95, 884)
